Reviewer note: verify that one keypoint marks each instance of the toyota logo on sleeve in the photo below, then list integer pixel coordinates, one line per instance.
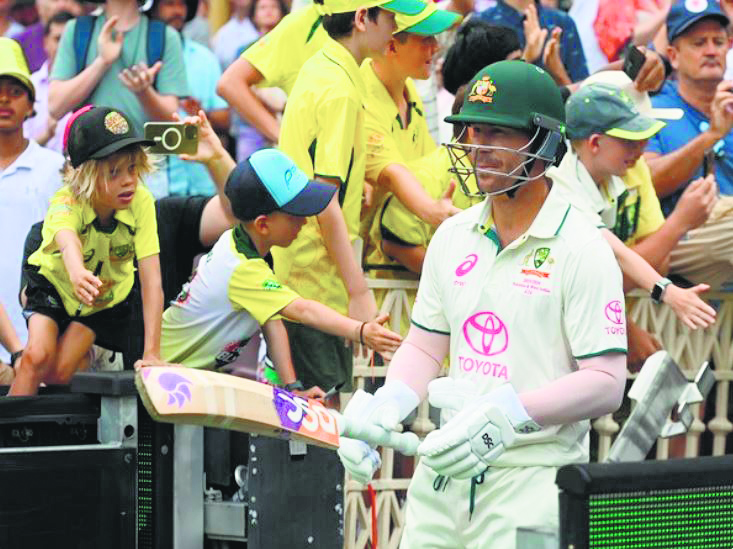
(615, 312)
(486, 334)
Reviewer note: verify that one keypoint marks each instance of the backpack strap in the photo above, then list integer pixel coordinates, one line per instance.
(156, 42)
(82, 38)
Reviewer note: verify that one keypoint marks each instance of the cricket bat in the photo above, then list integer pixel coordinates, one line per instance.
(175, 394)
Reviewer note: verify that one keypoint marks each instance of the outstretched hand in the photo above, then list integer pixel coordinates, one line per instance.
(688, 306)
(381, 339)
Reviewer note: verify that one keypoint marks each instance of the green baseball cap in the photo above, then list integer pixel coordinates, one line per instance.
(428, 22)
(514, 94)
(606, 109)
(13, 63)
(407, 7)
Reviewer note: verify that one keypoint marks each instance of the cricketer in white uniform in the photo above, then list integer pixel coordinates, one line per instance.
(527, 298)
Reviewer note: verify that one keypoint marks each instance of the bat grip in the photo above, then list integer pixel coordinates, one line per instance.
(405, 443)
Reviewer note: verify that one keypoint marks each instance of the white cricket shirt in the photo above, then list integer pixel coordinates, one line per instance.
(524, 314)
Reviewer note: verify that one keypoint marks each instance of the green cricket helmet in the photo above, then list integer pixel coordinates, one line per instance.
(516, 95)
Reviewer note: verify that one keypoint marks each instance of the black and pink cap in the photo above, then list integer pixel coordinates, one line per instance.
(96, 132)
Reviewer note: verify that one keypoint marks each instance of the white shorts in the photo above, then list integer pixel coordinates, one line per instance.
(437, 514)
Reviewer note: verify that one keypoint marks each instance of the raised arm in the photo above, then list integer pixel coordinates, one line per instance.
(65, 95)
(217, 216)
(235, 87)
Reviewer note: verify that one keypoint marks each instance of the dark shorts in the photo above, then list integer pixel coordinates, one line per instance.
(109, 325)
(320, 359)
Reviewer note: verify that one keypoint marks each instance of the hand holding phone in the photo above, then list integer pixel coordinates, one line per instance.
(172, 137)
(633, 62)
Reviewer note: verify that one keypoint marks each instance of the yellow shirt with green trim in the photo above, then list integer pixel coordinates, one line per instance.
(388, 142)
(132, 234)
(232, 293)
(323, 132)
(639, 212)
(524, 313)
(280, 54)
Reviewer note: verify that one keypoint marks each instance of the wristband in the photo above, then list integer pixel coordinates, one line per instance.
(15, 356)
(296, 385)
(361, 333)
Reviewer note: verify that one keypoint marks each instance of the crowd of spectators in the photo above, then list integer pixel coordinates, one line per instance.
(671, 203)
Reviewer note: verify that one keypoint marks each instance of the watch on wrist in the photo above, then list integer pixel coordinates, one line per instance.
(658, 290)
(296, 385)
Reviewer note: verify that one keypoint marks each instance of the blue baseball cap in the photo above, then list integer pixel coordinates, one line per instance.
(269, 181)
(685, 13)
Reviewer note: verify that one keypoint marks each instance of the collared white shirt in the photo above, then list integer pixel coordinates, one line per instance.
(26, 187)
(36, 126)
(600, 204)
(526, 313)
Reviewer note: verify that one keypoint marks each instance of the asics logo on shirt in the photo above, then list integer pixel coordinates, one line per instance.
(466, 267)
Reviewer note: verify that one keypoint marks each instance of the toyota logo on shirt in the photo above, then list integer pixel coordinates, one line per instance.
(615, 312)
(486, 334)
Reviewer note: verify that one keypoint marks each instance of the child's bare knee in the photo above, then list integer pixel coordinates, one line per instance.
(37, 359)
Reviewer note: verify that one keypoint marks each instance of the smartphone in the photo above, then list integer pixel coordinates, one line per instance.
(633, 62)
(172, 137)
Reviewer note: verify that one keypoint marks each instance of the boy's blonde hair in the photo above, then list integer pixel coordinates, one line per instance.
(83, 180)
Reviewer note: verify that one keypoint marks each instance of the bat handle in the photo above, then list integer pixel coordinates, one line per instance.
(405, 443)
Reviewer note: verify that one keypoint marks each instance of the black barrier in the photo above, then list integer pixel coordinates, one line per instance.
(681, 503)
(60, 487)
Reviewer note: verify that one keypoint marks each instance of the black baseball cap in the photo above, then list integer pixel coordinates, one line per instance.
(685, 13)
(96, 132)
(269, 181)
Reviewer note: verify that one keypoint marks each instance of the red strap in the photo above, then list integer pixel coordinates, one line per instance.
(373, 503)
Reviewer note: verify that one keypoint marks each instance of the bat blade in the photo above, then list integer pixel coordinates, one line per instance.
(186, 395)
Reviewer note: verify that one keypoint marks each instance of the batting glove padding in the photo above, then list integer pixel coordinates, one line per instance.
(486, 426)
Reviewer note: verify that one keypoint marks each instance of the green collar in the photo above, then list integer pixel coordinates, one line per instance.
(546, 224)
(89, 217)
(246, 247)
(244, 243)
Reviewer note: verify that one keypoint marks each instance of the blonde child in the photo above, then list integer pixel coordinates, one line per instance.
(80, 279)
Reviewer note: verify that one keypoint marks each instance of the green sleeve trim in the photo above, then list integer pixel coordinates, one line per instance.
(428, 329)
(604, 352)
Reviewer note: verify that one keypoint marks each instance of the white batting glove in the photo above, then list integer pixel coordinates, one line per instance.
(486, 426)
(384, 410)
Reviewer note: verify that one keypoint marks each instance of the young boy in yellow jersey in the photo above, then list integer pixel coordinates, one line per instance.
(79, 280)
(397, 131)
(397, 134)
(323, 132)
(234, 291)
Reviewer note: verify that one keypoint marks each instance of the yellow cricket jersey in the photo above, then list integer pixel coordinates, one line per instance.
(388, 142)
(280, 54)
(639, 213)
(323, 132)
(134, 234)
(232, 293)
